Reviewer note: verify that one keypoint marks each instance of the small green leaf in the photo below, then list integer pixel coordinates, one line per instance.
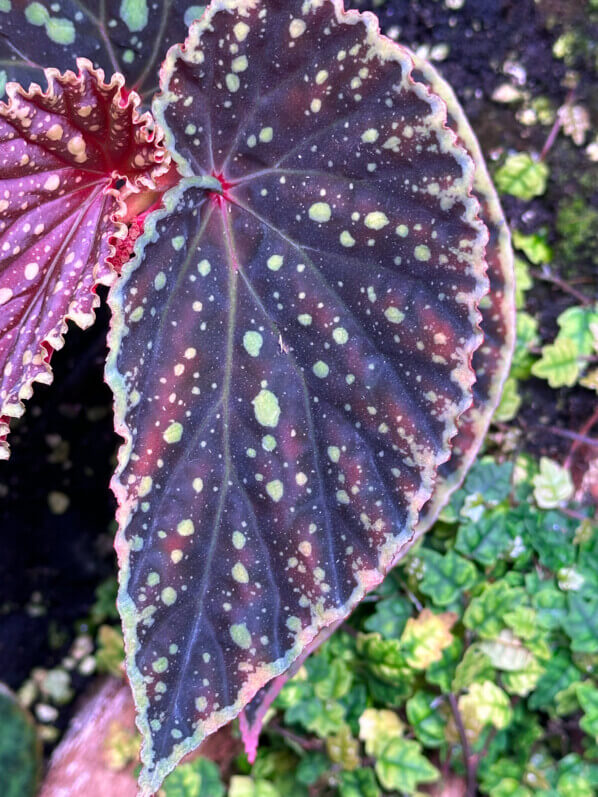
(241, 786)
(311, 768)
(559, 363)
(486, 540)
(522, 177)
(425, 718)
(510, 402)
(507, 652)
(441, 673)
(343, 749)
(576, 325)
(402, 767)
(485, 704)
(535, 247)
(524, 681)
(581, 624)
(587, 694)
(553, 539)
(553, 485)
(110, 654)
(509, 787)
(377, 727)
(426, 636)
(474, 666)
(548, 601)
(527, 338)
(523, 281)
(359, 783)
(321, 717)
(385, 658)
(389, 617)
(333, 681)
(200, 778)
(270, 763)
(485, 613)
(559, 673)
(446, 577)
(490, 479)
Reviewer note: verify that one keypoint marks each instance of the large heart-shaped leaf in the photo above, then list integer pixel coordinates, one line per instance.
(490, 362)
(290, 361)
(61, 154)
(126, 36)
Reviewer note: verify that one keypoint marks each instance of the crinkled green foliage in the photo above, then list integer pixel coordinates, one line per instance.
(563, 362)
(200, 778)
(520, 659)
(522, 176)
(502, 595)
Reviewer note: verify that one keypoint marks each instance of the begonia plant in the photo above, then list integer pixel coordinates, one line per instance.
(312, 316)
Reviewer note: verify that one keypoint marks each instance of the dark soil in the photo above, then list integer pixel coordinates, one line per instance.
(52, 563)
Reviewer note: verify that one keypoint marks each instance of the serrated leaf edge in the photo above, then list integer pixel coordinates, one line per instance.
(104, 274)
(484, 186)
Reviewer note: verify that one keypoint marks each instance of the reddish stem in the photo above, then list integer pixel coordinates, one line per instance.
(583, 432)
(471, 762)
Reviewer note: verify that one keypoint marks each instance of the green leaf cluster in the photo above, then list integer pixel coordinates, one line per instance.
(490, 623)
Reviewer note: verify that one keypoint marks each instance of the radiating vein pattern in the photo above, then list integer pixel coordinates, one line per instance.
(490, 362)
(59, 154)
(289, 354)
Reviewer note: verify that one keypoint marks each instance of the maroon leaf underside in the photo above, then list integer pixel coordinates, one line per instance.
(127, 37)
(289, 362)
(60, 155)
(490, 363)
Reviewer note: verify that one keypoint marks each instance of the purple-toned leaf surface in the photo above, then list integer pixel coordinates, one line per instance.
(126, 36)
(290, 358)
(490, 362)
(60, 155)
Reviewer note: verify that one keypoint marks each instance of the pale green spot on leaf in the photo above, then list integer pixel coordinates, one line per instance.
(168, 596)
(321, 369)
(134, 13)
(275, 490)
(240, 574)
(173, 433)
(268, 442)
(394, 315)
(320, 212)
(275, 262)
(186, 528)
(376, 220)
(240, 635)
(422, 253)
(252, 343)
(266, 408)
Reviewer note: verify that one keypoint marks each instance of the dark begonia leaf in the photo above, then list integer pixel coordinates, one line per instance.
(126, 36)
(61, 154)
(290, 361)
(490, 362)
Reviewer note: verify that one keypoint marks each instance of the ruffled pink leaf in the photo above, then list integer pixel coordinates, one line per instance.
(68, 159)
